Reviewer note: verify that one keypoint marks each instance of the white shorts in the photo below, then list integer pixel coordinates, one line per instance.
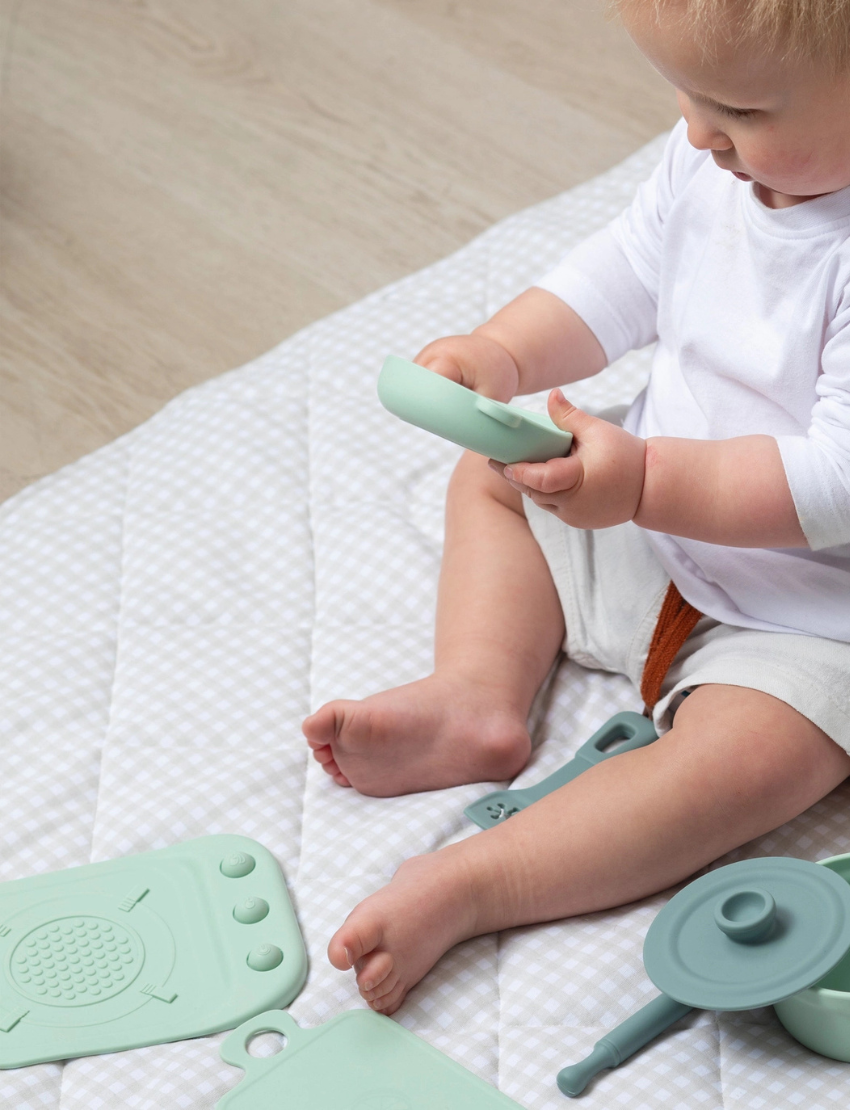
(611, 588)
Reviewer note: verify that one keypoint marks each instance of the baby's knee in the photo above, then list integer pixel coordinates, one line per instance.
(758, 745)
(474, 478)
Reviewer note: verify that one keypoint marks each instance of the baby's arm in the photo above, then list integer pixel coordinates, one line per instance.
(732, 492)
(535, 342)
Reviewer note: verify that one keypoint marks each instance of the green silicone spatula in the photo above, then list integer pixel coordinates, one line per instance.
(622, 733)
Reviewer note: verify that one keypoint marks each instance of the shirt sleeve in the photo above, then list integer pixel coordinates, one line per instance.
(817, 465)
(612, 279)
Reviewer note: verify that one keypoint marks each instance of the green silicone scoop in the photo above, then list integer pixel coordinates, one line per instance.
(622, 733)
(498, 431)
(740, 937)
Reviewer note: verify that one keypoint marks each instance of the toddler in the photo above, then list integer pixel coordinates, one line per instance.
(728, 486)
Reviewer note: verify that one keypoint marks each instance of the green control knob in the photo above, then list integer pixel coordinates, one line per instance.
(251, 910)
(265, 957)
(237, 864)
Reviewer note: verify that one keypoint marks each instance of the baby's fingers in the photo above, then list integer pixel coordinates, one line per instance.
(555, 476)
(444, 365)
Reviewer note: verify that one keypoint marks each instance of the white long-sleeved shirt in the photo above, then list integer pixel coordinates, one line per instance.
(751, 310)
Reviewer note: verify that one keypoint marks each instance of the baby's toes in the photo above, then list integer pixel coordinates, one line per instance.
(329, 766)
(321, 727)
(358, 935)
(383, 990)
(373, 972)
(389, 1003)
(324, 757)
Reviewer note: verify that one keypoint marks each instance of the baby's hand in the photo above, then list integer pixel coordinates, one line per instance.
(599, 484)
(476, 361)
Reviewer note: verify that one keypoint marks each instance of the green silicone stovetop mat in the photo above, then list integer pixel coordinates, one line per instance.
(175, 943)
(356, 1061)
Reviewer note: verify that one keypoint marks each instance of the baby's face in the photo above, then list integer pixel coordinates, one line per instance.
(782, 124)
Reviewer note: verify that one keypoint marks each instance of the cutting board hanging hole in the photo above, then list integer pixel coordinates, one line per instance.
(265, 1044)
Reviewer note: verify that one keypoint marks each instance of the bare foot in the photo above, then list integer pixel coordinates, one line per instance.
(437, 732)
(395, 936)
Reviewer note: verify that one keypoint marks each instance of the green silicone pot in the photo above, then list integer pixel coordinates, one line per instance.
(819, 1017)
(751, 934)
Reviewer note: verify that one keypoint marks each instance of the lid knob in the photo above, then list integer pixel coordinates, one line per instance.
(746, 915)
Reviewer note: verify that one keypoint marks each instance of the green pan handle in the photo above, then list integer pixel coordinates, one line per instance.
(234, 1049)
(622, 1042)
(632, 729)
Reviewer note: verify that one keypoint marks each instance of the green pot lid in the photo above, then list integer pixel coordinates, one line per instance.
(749, 934)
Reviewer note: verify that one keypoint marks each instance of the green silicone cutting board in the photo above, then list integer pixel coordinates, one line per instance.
(176, 943)
(357, 1061)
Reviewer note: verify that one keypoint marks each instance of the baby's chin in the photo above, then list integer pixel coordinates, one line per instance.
(801, 195)
(798, 190)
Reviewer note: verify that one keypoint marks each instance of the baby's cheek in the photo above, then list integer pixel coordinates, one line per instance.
(761, 157)
(793, 164)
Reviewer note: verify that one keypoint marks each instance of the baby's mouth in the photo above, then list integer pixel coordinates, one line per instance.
(718, 157)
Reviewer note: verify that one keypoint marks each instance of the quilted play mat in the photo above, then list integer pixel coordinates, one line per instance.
(173, 605)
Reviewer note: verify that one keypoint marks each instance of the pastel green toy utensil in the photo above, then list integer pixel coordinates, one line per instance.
(359, 1060)
(740, 937)
(156, 947)
(503, 432)
(622, 733)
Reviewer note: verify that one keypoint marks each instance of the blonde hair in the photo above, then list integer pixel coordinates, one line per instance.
(805, 30)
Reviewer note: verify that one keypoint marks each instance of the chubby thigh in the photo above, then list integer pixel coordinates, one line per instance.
(611, 587)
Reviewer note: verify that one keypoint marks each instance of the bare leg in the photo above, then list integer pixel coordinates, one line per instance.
(736, 764)
(499, 627)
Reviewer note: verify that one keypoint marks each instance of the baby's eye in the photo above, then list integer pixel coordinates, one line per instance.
(735, 113)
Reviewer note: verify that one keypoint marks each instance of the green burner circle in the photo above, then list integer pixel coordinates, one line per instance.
(76, 961)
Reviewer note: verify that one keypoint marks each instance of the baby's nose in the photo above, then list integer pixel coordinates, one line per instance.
(704, 134)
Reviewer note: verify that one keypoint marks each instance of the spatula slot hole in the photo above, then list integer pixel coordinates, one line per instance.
(266, 1043)
(615, 739)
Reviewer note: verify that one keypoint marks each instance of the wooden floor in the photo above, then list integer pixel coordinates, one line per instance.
(183, 183)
